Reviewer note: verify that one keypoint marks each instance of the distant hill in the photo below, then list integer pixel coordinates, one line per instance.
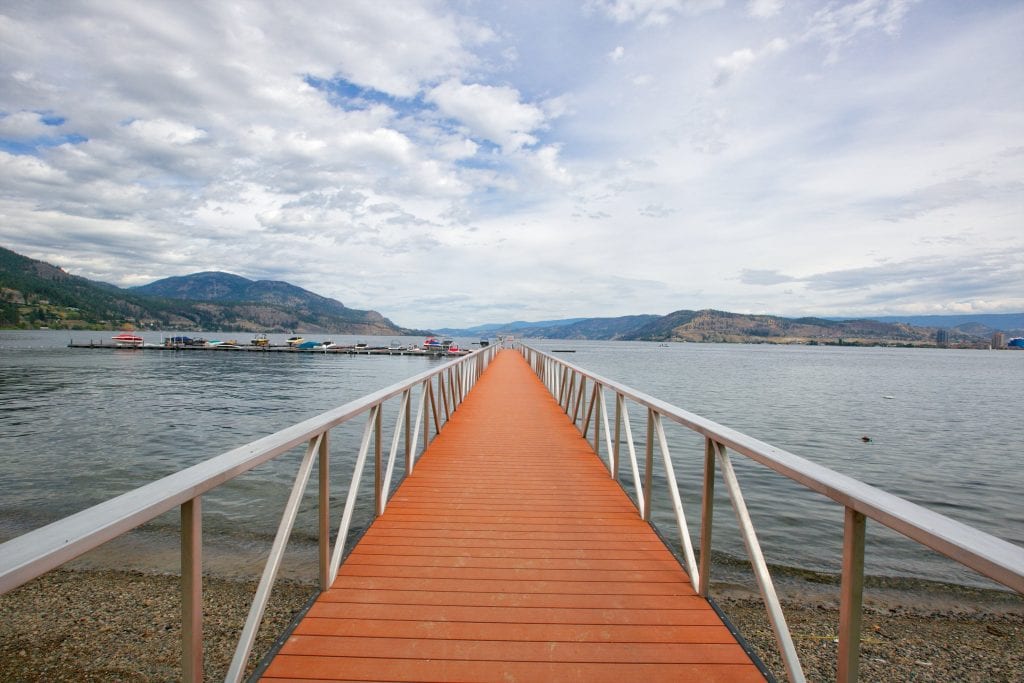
(507, 328)
(270, 304)
(570, 328)
(981, 325)
(721, 326)
(36, 294)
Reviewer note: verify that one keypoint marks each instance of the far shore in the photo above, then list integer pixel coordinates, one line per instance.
(102, 625)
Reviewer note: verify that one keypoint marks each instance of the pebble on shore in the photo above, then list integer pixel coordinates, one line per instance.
(109, 625)
(897, 644)
(126, 626)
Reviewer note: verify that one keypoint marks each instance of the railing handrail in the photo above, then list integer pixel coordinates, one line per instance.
(990, 555)
(36, 552)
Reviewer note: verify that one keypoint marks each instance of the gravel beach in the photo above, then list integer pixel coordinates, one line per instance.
(125, 626)
(898, 643)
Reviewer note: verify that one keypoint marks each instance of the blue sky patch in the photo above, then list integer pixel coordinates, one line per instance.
(347, 95)
(35, 146)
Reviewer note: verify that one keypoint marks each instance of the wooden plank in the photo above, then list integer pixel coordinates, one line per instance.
(510, 554)
(373, 669)
(501, 630)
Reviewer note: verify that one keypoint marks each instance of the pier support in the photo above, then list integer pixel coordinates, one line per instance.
(192, 590)
(851, 596)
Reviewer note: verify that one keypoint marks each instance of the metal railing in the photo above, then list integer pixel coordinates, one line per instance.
(440, 391)
(581, 394)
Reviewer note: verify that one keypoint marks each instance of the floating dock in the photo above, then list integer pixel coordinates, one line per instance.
(510, 554)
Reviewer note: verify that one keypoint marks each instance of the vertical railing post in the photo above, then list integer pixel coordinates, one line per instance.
(706, 512)
(607, 433)
(460, 384)
(324, 516)
(408, 434)
(442, 389)
(648, 464)
(378, 475)
(615, 442)
(192, 590)
(426, 414)
(851, 594)
(432, 400)
(453, 387)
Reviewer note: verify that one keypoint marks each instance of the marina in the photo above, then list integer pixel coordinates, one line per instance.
(261, 344)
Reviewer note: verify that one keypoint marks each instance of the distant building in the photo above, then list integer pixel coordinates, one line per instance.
(942, 338)
(998, 341)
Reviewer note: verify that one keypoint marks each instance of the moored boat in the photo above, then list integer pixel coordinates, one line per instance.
(127, 339)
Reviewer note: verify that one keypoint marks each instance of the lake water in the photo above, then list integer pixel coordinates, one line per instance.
(78, 426)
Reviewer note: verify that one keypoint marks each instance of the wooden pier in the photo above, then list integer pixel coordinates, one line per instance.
(509, 554)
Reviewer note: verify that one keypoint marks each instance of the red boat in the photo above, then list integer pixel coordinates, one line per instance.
(127, 339)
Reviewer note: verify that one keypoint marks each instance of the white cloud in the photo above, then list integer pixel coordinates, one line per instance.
(162, 132)
(837, 26)
(328, 145)
(653, 12)
(764, 9)
(492, 113)
(24, 126)
(739, 61)
(21, 169)
(735, 63)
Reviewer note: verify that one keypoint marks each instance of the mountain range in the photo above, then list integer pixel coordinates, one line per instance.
(721, 326)
(36, 294)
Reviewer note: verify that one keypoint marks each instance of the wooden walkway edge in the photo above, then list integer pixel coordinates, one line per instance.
(511, 555)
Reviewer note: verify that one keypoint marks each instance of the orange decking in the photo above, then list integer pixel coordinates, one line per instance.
(511, 555)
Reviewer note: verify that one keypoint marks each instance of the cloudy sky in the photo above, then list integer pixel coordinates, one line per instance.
(454, 163)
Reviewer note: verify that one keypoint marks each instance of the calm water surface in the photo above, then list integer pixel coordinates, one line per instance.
(944, 427)
(80, 426)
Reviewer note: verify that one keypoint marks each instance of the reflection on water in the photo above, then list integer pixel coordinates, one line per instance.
(80, 426)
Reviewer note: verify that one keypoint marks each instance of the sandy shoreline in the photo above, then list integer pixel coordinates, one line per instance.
(111, 625)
